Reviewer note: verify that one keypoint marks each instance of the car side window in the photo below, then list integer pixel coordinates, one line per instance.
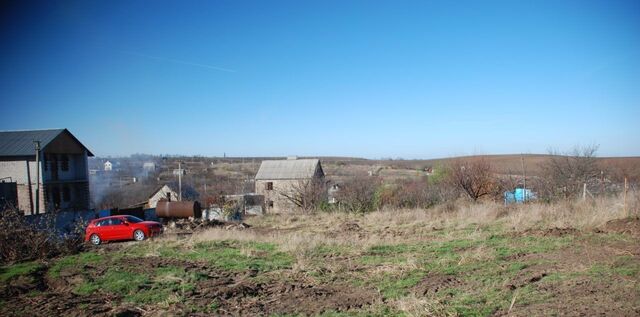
(116, 221)
(102, 223)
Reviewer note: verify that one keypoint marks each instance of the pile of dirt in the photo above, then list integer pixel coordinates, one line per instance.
(434, 283)
(630, 226)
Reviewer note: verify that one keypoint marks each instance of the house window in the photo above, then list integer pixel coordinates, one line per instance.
(268, 186)
(54, 164)
(66, 194)
(64, 162)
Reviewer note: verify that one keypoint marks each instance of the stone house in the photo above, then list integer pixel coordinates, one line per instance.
(63, 170)
(163, 193)
(278, 178)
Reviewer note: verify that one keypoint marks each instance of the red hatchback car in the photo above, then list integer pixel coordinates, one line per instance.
(120, 228)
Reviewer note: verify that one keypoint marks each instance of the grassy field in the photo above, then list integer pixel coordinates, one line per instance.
(456, 260)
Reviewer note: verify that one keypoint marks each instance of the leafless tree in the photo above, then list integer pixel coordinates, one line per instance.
(473, 177)
(358, 194)
(565, 173)
(306, 194)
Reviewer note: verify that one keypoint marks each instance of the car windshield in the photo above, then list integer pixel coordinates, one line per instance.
(133, 219)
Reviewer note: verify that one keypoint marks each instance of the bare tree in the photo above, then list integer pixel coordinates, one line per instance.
(358, 194)
(473, 176)
(565, 173)
(306, 194)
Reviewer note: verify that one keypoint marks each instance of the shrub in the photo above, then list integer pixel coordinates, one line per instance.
(358, 194)
(22, 241)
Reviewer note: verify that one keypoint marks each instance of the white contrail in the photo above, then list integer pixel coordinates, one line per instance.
(177, 61)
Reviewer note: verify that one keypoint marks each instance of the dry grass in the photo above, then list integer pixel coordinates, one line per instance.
(301, 233)
(413, 306)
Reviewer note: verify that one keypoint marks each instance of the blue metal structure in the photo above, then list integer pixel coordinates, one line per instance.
(518, 195)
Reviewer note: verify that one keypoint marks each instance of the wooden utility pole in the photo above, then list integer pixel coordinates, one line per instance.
(179, 181)
(37, 145)
(602, 184)
(625, 198)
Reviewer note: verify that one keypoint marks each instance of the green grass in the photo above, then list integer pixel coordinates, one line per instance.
(73, 261)
(152, 288)
(9, 272)
(237, 256)
(393, 286)
(229, 255)
(624, 266)
(479, 258)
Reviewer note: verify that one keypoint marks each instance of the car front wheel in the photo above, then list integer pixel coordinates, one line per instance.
(138, 235)
(95, 240)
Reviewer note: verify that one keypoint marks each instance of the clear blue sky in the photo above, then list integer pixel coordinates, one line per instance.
(372, 79)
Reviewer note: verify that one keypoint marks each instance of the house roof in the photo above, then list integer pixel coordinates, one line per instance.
(20, 143)
(159, 188)
(288, 169)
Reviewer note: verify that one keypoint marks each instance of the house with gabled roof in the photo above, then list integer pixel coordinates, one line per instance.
(62, 171)
(277, 179)
(164, 192)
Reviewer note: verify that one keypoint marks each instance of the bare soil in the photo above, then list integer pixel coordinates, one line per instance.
(435, 283)
(235, 293)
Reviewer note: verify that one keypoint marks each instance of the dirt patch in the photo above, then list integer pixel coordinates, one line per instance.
(350, 228)
(583, 297)
(526, 277)
(145, 264)
(24, 284)
(552, 232)
(33, 295)
(233, 293)
(630, 226)
(435, 283)
(246, 297)
(64, 304)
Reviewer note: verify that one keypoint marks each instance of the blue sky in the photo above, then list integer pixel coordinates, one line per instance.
(371, 79)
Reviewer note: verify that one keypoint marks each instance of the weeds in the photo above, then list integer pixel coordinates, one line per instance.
(21, 240)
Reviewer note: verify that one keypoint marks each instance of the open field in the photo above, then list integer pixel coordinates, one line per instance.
(465, 259)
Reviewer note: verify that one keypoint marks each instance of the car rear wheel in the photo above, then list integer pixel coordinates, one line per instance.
(95, 239)
(138, 235)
